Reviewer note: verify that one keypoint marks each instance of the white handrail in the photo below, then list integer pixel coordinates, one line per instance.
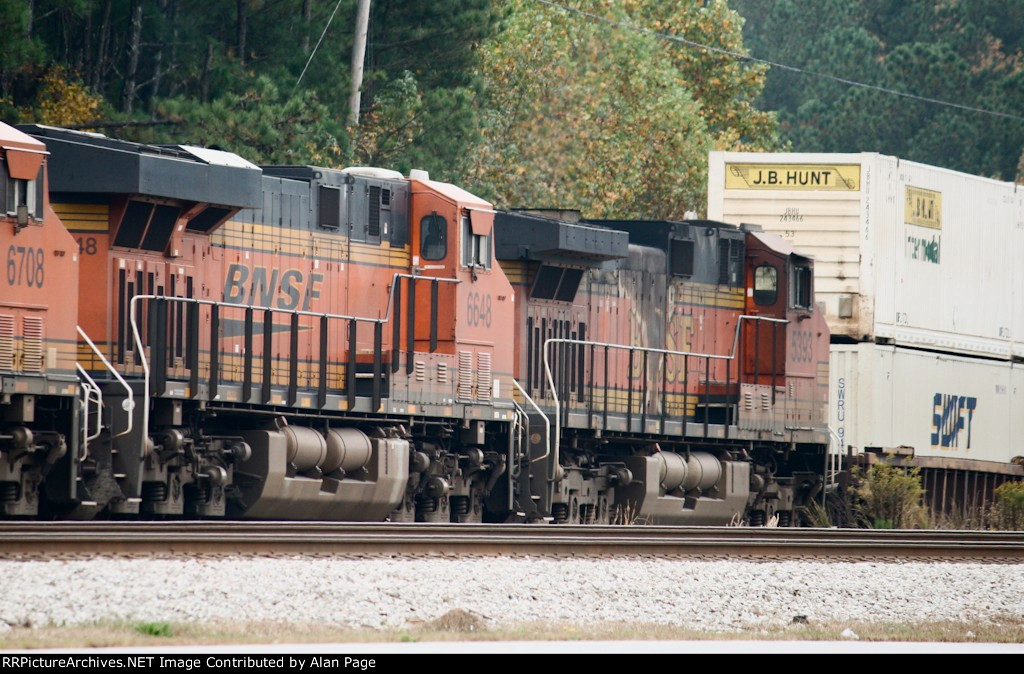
(90, 388)
(547, 422)
(830, 464)
(129, 404)
(642, 349)
(141, 351)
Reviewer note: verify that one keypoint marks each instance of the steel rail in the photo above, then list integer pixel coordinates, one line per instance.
(19, 539)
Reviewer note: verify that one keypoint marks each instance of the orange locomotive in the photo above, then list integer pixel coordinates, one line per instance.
(39, 406)
(295, 342)
(685, 363)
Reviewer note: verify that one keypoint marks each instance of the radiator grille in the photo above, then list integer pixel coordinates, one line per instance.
(6, 342)
(32, 340)
(465, 384)
(483, 376)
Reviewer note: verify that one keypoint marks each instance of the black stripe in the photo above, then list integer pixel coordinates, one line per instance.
(293, 361)
(321, 394)
(268, 352)
(122, 318)
(192, 347)
(529, 353)
(214, 350)
(350, 369)
(378, 339)
(410, 328)
(247, 357)
(396, 326)
(434, 286)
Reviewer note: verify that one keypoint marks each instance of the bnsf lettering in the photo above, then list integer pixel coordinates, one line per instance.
(262, 286)
(803, 177)
(951, 420)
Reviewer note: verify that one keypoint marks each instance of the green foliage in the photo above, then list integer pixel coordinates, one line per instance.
(969, 52)
(815, 515)
(889, 497)
(584, 114)
(1008, 512)
(227, 73)
(158, 629)
(262, 125)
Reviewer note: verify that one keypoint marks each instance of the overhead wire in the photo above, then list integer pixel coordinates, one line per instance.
(781, 66)
(313, 53)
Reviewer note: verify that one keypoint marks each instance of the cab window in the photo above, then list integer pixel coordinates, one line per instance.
(766, 285)
(802, 294)
(476, 249)
(433, 237)
(15, 192)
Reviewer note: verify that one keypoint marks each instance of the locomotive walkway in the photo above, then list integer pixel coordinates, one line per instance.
(144, 539)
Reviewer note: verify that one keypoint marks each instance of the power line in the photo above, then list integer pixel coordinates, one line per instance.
(313, 53)
(781, 66)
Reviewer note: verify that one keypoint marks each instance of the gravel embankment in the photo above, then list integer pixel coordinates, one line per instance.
(705, 595)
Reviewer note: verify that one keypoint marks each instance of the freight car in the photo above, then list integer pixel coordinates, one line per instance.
(916, 268)
(296, 342)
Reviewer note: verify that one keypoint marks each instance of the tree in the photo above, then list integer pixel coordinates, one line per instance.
(263, 125)
(969, 52)
(422, 104)
(593, 115)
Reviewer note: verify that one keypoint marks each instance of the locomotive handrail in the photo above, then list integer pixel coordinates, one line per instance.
(398, 275)
(141, 351)
(830, 464)
(626, 347)
(547, 422)
(90, 388)
(129, 403)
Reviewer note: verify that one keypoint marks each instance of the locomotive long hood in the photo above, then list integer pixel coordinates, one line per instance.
(93, 163)
(525, 236)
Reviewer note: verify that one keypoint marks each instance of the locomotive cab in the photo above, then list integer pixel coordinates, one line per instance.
(38, 385)
(463, 315)
(784, 357)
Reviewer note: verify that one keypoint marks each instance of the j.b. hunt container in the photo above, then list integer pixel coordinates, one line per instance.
(905, 253)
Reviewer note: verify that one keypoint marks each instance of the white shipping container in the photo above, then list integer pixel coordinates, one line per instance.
(944, 406)
(919, 255)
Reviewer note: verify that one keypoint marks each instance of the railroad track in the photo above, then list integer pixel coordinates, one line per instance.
(78, 539)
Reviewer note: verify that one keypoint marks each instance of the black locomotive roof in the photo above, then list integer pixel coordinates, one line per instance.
(530, 236)
(92, 163)
(657, 233)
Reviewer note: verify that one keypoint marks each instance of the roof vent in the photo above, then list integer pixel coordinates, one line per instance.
(418, 174)
(371, 172)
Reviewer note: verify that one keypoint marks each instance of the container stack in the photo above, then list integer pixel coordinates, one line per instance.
(920, 271)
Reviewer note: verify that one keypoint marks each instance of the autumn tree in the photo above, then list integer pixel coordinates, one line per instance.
(601, 115)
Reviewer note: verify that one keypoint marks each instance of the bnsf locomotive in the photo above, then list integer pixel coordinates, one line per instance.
(183, 333)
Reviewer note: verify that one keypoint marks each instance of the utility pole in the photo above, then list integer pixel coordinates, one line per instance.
(358, 53)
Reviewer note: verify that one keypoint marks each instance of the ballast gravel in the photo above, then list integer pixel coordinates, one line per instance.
(401, 591)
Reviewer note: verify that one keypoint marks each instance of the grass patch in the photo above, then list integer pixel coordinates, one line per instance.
(154, 629)
(457, 627)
